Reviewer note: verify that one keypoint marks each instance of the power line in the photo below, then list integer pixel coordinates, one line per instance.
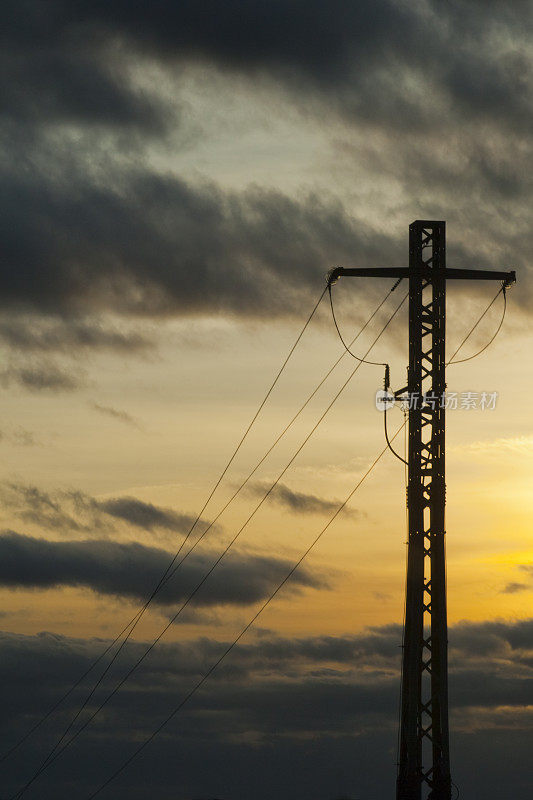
(135, 620)
(498, 329)
(57, 750)
(288, 426)
(389, 445)
(346, 347)
(176, 567)
(373, 363)
(459, 361)
(237, 639)
(170, 574)
(56, 705)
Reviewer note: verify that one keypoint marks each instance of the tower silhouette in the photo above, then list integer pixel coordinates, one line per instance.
(424, 757)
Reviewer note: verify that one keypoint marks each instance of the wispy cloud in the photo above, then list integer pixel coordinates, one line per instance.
(519, 586)
(146, 515)
(116, 413)
(42, 378)
(19, 437)
(71, 512)
(514, 588)
(300, 502)
(62, 334)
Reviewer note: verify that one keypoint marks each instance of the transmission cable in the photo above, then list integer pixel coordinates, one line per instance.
(389, 445)
(244, 630)
(502, 290)
(168, 577)
(56, 751)
(346, 347)
(373, 363)
(137, 617)
(134, 621)
(176, 567)
(170, 574)
(498, 329)
(459, 361)
(56, 705)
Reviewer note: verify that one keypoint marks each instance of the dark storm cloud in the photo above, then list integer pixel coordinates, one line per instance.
(317, 699)
(134, 242)
(383, 61)
(151, 244)
(368, 660)
(131, 570)
(55, 70)
(300, 502)
(85, 230)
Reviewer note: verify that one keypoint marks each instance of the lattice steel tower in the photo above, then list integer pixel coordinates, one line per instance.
(424, 766)
(424, 711)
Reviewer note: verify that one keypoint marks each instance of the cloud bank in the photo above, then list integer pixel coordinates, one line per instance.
(281, 702)
(131, 570)
(439, 99)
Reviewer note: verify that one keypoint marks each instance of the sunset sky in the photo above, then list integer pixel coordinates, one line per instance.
(177, 179)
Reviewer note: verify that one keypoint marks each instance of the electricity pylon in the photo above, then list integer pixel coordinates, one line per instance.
(424, 766)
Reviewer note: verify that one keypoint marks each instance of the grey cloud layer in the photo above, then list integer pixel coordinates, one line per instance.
(275, 707)
(131, 570)
(85, 230)
(150, 244)
(374, 58)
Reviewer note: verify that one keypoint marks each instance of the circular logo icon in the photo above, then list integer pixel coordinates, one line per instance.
(384, 400)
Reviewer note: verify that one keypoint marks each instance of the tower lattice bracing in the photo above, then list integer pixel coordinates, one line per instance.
(424, 758)
(424, 768)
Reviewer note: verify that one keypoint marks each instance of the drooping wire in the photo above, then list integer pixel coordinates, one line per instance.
(389, 445)
(362, 360)
(373, 363)
(242, 633)
(135, 620)
(502, 290)
(57, 749)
